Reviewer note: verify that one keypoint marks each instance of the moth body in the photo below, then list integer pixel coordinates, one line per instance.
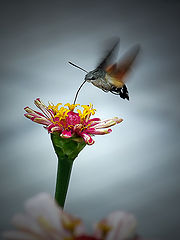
(109, 76)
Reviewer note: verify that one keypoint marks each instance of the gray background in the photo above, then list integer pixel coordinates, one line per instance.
(136, 167)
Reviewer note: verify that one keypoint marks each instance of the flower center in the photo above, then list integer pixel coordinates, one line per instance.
(73, 118)
(67, 118)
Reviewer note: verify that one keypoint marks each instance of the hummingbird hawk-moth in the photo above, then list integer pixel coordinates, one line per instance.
(111, 77)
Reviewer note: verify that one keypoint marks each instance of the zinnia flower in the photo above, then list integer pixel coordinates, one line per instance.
(68, 123)
(44, 220)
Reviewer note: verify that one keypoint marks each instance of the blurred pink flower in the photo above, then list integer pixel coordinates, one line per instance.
(44, 220)
(71, 124)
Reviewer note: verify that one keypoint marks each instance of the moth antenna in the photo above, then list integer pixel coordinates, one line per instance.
(78, 91)
(77, 67)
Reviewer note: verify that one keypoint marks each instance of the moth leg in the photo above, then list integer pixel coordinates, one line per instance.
(113, 92)
(104, 90)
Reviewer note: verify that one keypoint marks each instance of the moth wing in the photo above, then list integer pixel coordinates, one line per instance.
(118, 71)
(109, 55)
(111, 69)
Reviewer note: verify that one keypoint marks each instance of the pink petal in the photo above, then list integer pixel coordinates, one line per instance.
(78, 128)
(98, 131)
(108, 123)
(87, 138)
(66, 134)
(30, 110)
(38, 119)
(53, 128)
(43, 108)
(94, 119)
(56, 119)
(56, 129)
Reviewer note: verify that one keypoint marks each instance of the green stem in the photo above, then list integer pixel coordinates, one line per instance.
(62, 182)
(67, 150)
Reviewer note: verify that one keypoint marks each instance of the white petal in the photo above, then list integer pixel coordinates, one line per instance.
(123, 226)
(26, 222)
(80, 230)
(42, 205)
(17, 235)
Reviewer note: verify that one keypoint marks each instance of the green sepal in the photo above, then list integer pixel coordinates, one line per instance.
(67, 150)
(67, 147)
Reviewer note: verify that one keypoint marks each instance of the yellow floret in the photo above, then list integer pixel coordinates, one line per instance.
(71, 106)
(62, 112)
(54, 107)
(88, 109)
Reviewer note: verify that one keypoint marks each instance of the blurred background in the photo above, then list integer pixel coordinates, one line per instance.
(136, 167)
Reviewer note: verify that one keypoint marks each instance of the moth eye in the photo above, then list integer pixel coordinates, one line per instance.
(93, 78)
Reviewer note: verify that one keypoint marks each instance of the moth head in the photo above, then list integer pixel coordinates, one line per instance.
(94, 75)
